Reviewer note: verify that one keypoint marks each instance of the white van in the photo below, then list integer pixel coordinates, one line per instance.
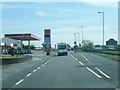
(62, 49)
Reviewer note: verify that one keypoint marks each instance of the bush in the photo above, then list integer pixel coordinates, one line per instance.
(118, 48)
(12, 51)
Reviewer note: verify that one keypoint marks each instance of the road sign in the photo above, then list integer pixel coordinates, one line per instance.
(47, 31)
(75, 42)
(47, 47)
(79, 45)
(47, 40)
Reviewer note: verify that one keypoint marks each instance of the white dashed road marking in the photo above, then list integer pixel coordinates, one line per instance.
(103, 73)
(77, 60)
(34, 70)
(38, 68)
(42, 65)
(97, 68)
(19, 82)
(81, 63)
(29, 74)
(85, 58)
(94, 72)
(87, 67)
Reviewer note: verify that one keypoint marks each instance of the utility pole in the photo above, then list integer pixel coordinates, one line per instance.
(103, 25)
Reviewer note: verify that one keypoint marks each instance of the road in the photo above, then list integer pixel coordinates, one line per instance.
(80, 70)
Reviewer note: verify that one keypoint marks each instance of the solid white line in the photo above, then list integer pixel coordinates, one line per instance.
(19, 81)
(29, 74)
(94, 72)
(34, 70)
(102, 72)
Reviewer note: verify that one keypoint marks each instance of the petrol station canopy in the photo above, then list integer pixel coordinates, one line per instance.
(22, 37)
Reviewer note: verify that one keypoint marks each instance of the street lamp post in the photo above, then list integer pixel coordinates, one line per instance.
(78, 38)
(75, 38)
(103, 25)
(82, 33)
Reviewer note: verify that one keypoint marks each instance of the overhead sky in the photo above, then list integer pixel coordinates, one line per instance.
(63, 18)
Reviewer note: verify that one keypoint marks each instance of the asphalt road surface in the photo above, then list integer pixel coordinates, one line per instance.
(80, 70)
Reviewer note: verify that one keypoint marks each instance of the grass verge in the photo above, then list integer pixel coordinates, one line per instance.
(116, 57)
(115, 52)
(11, 56)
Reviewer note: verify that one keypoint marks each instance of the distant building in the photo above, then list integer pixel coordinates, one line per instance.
(111, 43)
(38, 48)
(15, 40)
(98, 47)
(7, 43)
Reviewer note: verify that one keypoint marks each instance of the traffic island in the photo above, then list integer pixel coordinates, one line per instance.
(14, 59)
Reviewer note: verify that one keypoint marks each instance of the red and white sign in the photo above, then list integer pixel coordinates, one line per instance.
(6, 44)
(22, 36)
(47, 37)
(47, 40)
(47, 31)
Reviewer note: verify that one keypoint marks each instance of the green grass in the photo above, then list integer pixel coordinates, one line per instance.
(11, 56)
(80, 51)
(116, 57)
(54, 49)
(116, 52)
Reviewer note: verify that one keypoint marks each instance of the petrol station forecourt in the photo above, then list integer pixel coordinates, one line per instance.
(21, 37)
